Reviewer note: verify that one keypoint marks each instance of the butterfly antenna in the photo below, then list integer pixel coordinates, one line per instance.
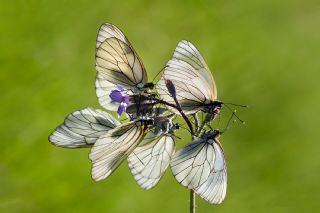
(235, 115)
(158, 73)
(228, 126)
(238, 105)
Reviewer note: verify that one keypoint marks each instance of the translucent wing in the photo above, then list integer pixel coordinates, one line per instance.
(148, 163)
(150, 137)
(192, 79)
(114, 147)
(214, 188)
(82, 128)
(117, 64)
(192, 164)
(187, 52)
(110, 31)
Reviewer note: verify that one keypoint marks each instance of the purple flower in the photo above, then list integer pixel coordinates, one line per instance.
(118, 96)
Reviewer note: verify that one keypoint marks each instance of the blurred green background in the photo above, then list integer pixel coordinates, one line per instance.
(262, 53)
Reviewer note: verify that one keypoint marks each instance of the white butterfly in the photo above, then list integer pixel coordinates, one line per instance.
(201, 166)
(149, 161)
(82, 128)
(120, 72)
(194, 84)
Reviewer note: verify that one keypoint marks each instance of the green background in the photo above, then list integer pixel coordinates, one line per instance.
(262, 53)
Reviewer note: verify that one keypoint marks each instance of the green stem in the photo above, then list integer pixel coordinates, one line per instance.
(192, 201)
(192, 197)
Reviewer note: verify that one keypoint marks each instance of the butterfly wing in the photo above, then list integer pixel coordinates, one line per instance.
(112, 148)
(82, 128)
(214, 188)
(149, 162)
(187, 52)
(117, 63)
(110, 31)
(192, 164)
(191, 77)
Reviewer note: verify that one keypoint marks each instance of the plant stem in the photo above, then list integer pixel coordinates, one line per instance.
(192, 201)
(192, 197)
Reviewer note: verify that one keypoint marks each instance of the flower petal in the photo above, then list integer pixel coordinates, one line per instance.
(116, 96)
(120, 109)
(126, 99)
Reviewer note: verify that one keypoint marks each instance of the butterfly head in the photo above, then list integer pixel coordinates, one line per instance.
(213, 107)
(145, 87)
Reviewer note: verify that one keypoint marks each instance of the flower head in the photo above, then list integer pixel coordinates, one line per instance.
(118, 96)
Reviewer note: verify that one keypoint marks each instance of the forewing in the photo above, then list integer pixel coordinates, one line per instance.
(148, 163)
(192, 164)
(116, 63)
(108, 30)
(215, 187)
(114, 147)
(187, 52)
(82, 128)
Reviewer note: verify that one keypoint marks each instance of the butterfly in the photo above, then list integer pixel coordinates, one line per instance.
(201, 166)
(120, 72)
(195, 88)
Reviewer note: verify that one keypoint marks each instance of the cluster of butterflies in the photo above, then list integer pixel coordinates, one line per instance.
(147, 140)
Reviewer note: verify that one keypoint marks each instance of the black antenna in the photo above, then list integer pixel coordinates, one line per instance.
(239, 105)
(159, 73)
(235, 115)
(229, 121)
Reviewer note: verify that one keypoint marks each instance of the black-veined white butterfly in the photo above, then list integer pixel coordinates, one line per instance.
(201, 166)
(149, 161)
(195, 87)
(120, 72)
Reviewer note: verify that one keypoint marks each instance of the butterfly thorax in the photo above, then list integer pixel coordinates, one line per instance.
(147, 122)
(211, 135)
(213, 107)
